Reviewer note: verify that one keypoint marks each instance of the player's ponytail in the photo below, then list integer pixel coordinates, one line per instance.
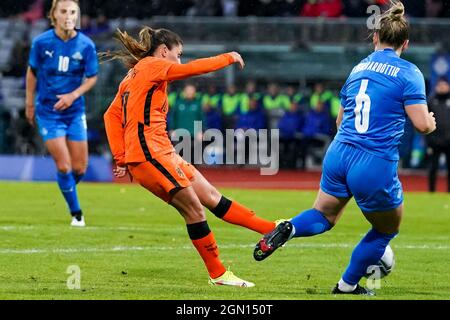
(134, 50)
(394, 28)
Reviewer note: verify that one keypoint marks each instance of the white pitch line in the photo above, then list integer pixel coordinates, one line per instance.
(8, 228)
(131, 228)
(185, 247)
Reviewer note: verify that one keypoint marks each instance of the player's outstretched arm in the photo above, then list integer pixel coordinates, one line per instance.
(202, 66)
(422, 119)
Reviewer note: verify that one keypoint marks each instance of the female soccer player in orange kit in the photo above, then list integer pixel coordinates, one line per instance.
(136, 128)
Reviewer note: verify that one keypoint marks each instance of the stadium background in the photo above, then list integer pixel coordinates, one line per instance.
(297, 53)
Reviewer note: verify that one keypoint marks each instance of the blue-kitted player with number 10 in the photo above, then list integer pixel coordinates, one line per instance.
(362, 160)
(63, 65)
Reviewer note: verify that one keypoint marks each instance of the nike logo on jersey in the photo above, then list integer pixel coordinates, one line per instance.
(49, 53)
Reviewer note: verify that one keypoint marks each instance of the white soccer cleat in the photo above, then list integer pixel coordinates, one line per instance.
(229, 279)
(76, 223)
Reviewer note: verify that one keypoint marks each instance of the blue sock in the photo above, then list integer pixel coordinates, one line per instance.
(77, 176)
(309, 223)
(67, 185)
(368, 252)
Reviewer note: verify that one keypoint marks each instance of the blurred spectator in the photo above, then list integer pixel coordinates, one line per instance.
(172, 96)
(101, 24)
(320, 94)
(275, 104)
(250, 92)
(86, 24)
(322, 8)
(297, 98)
(186, 110)
(95, 27)
(211, 98)
(213, 118)
(18, 61)
(317, 122)
(35, 12)
(316, 133)
(290, 126)
(230, 104)
(254, 118)
(184, 114)
(439, 140)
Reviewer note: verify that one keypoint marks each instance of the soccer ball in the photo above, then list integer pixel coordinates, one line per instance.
(384, 266)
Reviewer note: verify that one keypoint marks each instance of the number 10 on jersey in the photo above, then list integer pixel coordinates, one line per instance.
(63, 64)
(362, 109)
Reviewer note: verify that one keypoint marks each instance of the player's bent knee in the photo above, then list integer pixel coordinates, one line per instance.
(213, 198)
(388, 229)
(63, 168)
(196, 211)
(80, 171)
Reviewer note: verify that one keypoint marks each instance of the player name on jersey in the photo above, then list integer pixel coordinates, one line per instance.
(379, 67)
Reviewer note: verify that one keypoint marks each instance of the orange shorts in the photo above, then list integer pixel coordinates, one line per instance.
(163, 175)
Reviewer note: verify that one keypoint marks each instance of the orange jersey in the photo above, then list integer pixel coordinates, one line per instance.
(135, 122)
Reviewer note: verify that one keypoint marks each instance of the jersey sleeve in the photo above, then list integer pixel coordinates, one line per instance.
(33, 59)
(91, 61)
(168, 71)
(343, 94)
(414, 91)
(115, 130)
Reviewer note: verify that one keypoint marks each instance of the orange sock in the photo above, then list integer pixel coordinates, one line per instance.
(207, 248)
(242, 216)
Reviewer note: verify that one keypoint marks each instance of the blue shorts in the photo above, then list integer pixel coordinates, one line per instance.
(74, 127)
(373, 181)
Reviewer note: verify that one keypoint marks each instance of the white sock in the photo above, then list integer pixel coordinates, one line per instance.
(345, 287)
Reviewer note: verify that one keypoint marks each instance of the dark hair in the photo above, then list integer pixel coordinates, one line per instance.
(444, 79)
(394, 28)
(135, 50)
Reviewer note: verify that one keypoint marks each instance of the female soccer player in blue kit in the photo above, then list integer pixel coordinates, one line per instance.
(362, 160)
(60, 59)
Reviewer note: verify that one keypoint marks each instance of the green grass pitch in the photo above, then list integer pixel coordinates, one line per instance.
(136, 247)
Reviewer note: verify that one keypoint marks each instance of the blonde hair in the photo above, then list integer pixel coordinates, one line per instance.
(394, 28)
(51, 14)
(134, 50)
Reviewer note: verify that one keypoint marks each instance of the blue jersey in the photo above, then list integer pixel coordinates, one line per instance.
(374, 99)
(60, 68)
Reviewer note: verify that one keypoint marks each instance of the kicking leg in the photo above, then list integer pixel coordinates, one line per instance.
(187, 203)
(229, 211)
(322, 217)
